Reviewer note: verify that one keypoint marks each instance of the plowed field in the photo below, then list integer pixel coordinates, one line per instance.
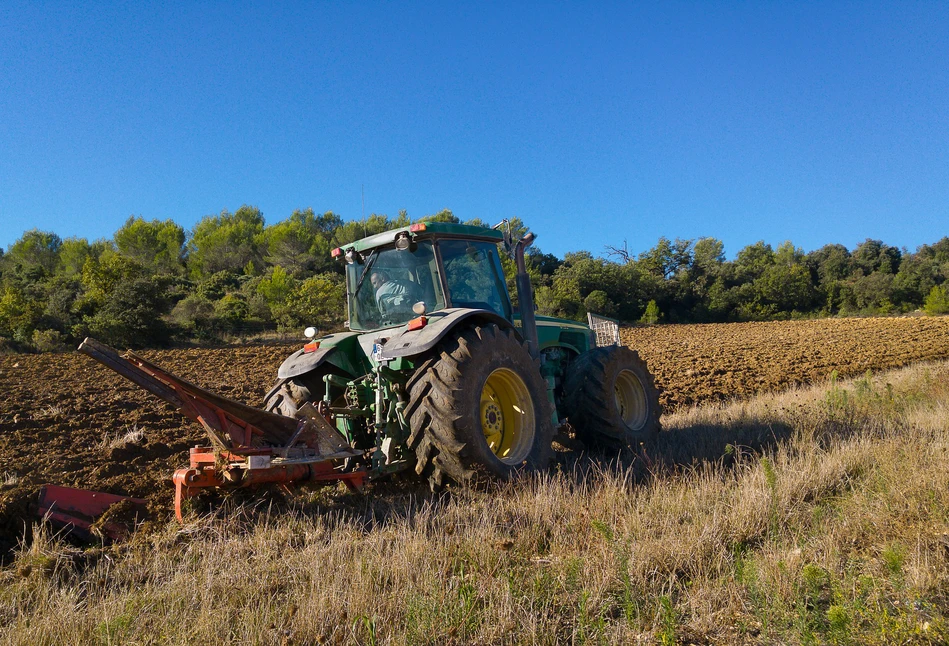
(702, 363)
(63, 417)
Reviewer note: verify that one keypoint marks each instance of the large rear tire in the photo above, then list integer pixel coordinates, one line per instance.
(611, 399)
(478, 409)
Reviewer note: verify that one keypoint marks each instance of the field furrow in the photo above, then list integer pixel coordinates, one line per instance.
(701, 363)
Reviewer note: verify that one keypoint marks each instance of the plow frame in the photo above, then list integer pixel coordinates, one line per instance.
(249, 446)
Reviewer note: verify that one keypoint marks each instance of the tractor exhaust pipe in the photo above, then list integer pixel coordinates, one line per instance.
(525, 297)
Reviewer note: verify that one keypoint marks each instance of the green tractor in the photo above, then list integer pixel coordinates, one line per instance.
(440, 373)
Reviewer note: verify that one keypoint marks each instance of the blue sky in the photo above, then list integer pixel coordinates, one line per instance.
(594, 122)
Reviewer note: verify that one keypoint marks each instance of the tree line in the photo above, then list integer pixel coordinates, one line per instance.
(153, 283)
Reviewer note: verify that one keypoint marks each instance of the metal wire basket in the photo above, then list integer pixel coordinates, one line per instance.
(606, 329)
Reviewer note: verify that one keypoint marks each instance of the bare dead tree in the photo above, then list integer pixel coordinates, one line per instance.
(620, 252)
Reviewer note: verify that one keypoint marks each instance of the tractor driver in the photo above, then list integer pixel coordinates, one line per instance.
(395, 297)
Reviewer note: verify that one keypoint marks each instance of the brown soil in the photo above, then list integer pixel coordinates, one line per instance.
(702, 363)
(63, 417)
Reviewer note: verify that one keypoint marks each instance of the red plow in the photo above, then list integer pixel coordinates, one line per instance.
(248, 446)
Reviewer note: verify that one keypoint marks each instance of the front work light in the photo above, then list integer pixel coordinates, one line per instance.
(403, 241)
(353, 256)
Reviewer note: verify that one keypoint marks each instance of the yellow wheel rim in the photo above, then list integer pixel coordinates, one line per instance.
(507, 416)
(631, 400)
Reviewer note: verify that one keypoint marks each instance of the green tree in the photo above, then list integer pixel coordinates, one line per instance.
(872, 293)
(831, 262)
(752, 261)
(832, 265)
(784, 288)
(74, 252)
(217, 285)
(319, 301)
(131, 315)
(544, 263)
(667, 258)
(445, 215)
(787, 254)
(598, 302)
(873, 256)
(621, 288)
(158, 245)
(722, 300)
(708, 255)
(937, 302)
(61, 311)
(693, 293)
(226, 242)
(651, 315)
(195, 318)
(302, 243)
(36, 251)
(231, 312)
(919, 272)
(19, 315)
(276, 288)
(102, 275)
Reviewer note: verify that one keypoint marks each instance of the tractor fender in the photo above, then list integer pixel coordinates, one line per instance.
(301, 362)
(408, 343)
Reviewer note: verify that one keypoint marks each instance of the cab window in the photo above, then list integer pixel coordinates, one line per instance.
(474, 276)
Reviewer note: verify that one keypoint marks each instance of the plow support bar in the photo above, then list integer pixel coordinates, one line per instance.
(230, 424)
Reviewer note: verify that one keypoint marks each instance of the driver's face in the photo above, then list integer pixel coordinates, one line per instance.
(377, 280)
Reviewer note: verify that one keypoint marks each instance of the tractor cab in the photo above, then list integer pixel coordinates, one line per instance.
(428, 267)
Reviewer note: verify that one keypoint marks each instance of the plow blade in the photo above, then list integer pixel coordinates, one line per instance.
(90, 514)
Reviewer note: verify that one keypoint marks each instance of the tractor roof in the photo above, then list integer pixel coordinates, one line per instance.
(428, 230)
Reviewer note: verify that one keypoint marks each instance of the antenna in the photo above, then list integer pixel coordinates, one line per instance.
(364, 233)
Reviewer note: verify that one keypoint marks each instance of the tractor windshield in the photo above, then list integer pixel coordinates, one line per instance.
(388, 282)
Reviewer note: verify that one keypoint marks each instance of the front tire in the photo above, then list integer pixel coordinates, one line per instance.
(288, 395)
(478, 409)
(611, 399)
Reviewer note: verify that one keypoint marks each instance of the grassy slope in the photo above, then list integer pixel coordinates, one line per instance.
(818, 515)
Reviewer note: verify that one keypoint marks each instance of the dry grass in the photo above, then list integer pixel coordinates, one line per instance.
(121, 439)
(815, 516)
(48, 412)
